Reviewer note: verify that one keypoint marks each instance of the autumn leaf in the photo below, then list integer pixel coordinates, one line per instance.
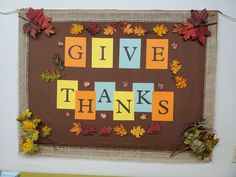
(109, 29)
(32, 29)
(154, 129)
(28, 147)
(202, 34)
(89, 130)
(36, 121)
(26, 114)
(120, 130)
(76, 29)
(33, 135)
(37, 23)
(76, 129)
(46, 131)
(49, 76)
(160, 30)
(180, 82)
(93, 29)
(137, 131)
(105, 131)
(140, 30)
(103, 115)
(175, 66)
(126, 29)
(198, 17)
(143, 116)
(28, 125)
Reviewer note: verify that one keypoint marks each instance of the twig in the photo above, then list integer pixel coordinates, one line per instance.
(23, 18)
(177, 152)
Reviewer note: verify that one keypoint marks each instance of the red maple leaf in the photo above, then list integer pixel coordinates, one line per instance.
(202, 34)
(32, 29)
(199, 17)
(105, 131)
(34, 15)
(89, 130)
(154, 129)
(93, 29)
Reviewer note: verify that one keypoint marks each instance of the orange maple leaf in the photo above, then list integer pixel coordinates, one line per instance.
(126, 28)
(109, 29)
(76, 129)
(140, 30)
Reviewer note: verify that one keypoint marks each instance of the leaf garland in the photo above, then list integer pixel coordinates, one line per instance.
(29, 126)
(199, 138)
(195, 27)
(37, 22)
(49, 76)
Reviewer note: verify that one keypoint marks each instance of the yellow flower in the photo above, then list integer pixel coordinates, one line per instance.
(160, 30)
(137, 131)
(28, 125)
(180, 82)
(120, 130)
(175, 66)
(46, 131)
(76, 29)
(29, 147)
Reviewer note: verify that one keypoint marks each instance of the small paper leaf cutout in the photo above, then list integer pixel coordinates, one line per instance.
(68, 114)
(103, 115)
(126, 29)
(143, 116)
(76, 129)
(137, 131)
(120, 130)
(175, 66)
(180, 82)
(76, 29)
(93, 29)
(86, 84)
(154, 129)
(160, 30)
(89, 130)
(109, 29)
(140, 30)
(105, 131)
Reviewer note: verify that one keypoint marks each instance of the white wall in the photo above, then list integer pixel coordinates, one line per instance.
(225, 123)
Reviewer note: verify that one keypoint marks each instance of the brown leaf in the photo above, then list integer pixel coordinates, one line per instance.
(89, 130)
(154, 129)
(93, 29)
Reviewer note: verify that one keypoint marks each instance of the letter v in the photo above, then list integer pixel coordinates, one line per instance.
(128, 54)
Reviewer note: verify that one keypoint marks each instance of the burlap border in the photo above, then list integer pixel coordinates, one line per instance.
(122, 15)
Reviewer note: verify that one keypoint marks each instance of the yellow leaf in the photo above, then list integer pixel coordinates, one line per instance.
(28, 125)
(76, 29)
(126, 28)
(160, 30)
(29, 147)
(25, 114)
(109, 29)
(120, 130)
(46, 131)
(140, 30)
(137, 131)
(180, 82)
(175, 66)
(76, 129)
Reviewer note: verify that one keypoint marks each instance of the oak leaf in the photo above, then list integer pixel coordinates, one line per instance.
(140, 30)
(105, 131)
(76, 29)
(89, 130)
(109, 29)
(120, 130)
(93, 29)
(76, 129)
(175, 66)
(160, 30)
(137, 131)
(126, 29)
(154, 129)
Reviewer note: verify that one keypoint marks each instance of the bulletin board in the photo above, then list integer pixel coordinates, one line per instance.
(127, 82)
